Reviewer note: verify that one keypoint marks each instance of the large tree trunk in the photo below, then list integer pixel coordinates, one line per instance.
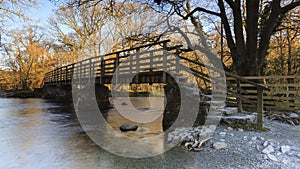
(252, 31)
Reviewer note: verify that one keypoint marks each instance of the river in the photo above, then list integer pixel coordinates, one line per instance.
(37, 133)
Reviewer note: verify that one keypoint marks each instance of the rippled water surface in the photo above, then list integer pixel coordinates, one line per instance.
(36, 133)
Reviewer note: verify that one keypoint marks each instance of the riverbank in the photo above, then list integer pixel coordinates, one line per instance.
(279, 147)
(21, 94)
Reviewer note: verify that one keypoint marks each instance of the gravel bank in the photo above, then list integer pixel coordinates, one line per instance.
(245, 149)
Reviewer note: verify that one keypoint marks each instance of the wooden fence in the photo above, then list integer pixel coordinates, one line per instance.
(284, 94)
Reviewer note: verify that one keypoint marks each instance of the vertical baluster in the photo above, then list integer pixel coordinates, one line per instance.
(66, 74)
(116, 68)
(137, 66)
(102, 70)
(164, 62)
(177, 60)
(80, 73)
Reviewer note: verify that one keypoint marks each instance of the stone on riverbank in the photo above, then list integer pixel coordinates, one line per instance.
(268, 150)
(219, 145)
(238, 119)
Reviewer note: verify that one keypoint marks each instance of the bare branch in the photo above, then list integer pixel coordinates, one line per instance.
(200, 9)
(290, 7)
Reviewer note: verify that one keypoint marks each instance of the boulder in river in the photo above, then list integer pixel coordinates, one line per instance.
(126, 127)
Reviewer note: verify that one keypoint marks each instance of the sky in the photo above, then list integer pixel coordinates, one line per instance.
(43, 12)
(39, 14)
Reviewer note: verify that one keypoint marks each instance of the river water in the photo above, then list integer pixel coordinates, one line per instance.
(37, 133)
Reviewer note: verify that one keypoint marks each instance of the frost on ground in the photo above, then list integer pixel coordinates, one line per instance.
(232, 148)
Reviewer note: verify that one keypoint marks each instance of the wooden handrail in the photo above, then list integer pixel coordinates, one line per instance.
(226, 73)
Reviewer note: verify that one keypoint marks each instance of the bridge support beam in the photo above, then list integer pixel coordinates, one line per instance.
(189, 105)
(102, 97)
(172, 105)
(59, 93)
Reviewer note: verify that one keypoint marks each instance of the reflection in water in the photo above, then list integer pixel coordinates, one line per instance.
(36, 133)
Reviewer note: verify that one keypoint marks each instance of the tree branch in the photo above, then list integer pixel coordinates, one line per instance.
(200, 9)
(290, 7)
(230, 3)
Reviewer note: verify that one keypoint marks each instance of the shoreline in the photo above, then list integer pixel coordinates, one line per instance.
(20, 94)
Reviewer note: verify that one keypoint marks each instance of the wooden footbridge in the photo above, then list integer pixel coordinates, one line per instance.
(151, 63)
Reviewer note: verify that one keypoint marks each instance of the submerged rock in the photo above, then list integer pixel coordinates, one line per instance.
(126, 127)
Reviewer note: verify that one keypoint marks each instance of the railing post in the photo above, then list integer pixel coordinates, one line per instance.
(90, 70)
(102, 70)
(137, 66)
(260, 111)
(116, 67)
(239, 100)
(72, 72)
(151, 61)
(131, 63)
(164, 62)
(66, 74)
(177, 60)
(80, 74)
(56, 76)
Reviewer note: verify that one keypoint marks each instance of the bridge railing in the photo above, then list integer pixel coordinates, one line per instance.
(155, 61)
(103, 67)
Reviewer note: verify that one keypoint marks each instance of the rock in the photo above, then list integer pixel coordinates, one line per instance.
(298, 155)
(126, 127)
(268, 150)
(231, 134)
(257, 148)
(222, 140)
(285, 149)
(169, 138)
(123, 104)
(240, 130)
(229, 128)
(294, 116)
(265, 143)
(175, 139)
(285, 161)
(254, 138)
(290, 153)
(245, 138)
(272, 157)
(229, 110)
(238, 119)
(219, 145)
(222, 134)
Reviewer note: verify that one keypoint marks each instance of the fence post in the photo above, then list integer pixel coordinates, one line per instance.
(260, 111)
(239, 100)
